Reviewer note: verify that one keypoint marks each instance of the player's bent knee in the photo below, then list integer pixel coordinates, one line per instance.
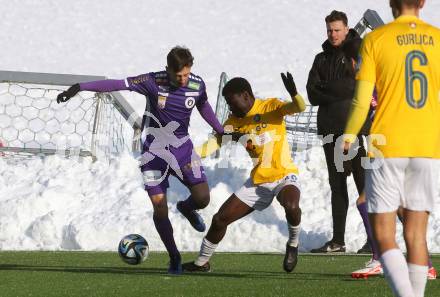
(160, 210)
(200, 195)
(291, 205)
(203, 201)
(218, 221)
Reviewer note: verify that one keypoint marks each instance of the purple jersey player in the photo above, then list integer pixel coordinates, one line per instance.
(167, 150)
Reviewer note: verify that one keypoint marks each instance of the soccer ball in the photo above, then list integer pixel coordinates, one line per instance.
(133, 249)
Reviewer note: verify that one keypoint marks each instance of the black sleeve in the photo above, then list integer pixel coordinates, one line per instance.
(342, 88)
(316, 87)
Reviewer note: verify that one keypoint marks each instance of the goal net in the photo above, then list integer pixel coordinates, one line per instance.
(90, 124)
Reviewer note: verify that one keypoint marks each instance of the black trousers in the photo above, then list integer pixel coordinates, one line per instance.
(338, 184)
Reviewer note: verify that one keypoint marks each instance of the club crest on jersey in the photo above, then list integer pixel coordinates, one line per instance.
(189, 102)
(257, 118)
(194, 85)
(161, 100)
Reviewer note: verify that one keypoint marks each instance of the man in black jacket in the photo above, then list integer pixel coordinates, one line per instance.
(331, 86)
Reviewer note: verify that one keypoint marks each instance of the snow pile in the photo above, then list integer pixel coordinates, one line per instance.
(56, 203)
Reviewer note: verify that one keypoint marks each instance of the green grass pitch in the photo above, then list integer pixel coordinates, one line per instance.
(104, 274)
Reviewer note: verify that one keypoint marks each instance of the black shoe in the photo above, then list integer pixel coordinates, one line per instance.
(192, 216)
(330, 247)
(290, 258)
(365, 249)
(192, 267)
(175, 266)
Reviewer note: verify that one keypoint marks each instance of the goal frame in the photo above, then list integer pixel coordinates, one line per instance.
(63, 80)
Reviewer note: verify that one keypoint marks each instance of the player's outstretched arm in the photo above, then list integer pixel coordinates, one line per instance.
(69, 93)
(297, 104)
(209, 116)
(217, 140)
(107, 85)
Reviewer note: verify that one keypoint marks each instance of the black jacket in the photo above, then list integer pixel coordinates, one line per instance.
(331, 86)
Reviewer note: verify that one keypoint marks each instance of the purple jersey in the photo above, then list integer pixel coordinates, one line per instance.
(168, 102)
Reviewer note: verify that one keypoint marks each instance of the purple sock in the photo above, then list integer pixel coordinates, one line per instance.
(429, 262)
(364, 214)
(189, 204)
(165, 230)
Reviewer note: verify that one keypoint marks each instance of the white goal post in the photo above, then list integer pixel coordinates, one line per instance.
(89, 124)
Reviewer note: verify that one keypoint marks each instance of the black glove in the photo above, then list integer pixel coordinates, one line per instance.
(289, 84)
(69, 93)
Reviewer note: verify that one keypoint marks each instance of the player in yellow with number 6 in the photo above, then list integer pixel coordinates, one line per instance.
(402, 59)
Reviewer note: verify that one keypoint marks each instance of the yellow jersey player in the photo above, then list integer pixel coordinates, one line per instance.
(259, 126)
(402, 59)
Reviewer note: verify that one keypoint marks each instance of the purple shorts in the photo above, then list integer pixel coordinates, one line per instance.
(181, 162)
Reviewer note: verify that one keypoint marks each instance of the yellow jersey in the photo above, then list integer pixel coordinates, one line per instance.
(265, 139)
(402, 60)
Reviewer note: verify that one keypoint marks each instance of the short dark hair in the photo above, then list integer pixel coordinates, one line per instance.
(351, 48)
(179, 57)
(237, 85)
(336, 16)
(398, 3)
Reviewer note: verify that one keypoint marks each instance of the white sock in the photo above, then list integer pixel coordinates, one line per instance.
(418, 275)
(206, 250)
(293, 234)
(396, 273)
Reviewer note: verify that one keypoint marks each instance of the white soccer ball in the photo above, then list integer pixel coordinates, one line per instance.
(133, 249)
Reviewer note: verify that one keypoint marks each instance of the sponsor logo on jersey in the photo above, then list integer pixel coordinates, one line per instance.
(194, 85)
(191, 94)
(189, 102)
(139, 79)
(262, 139)
(161, 101)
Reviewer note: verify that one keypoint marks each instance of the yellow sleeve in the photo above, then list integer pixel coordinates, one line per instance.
(209, 147)
(297, 105)
(366, 63)
(214, 143)
(359, 109)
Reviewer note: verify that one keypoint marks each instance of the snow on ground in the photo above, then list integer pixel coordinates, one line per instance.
(56, 203)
